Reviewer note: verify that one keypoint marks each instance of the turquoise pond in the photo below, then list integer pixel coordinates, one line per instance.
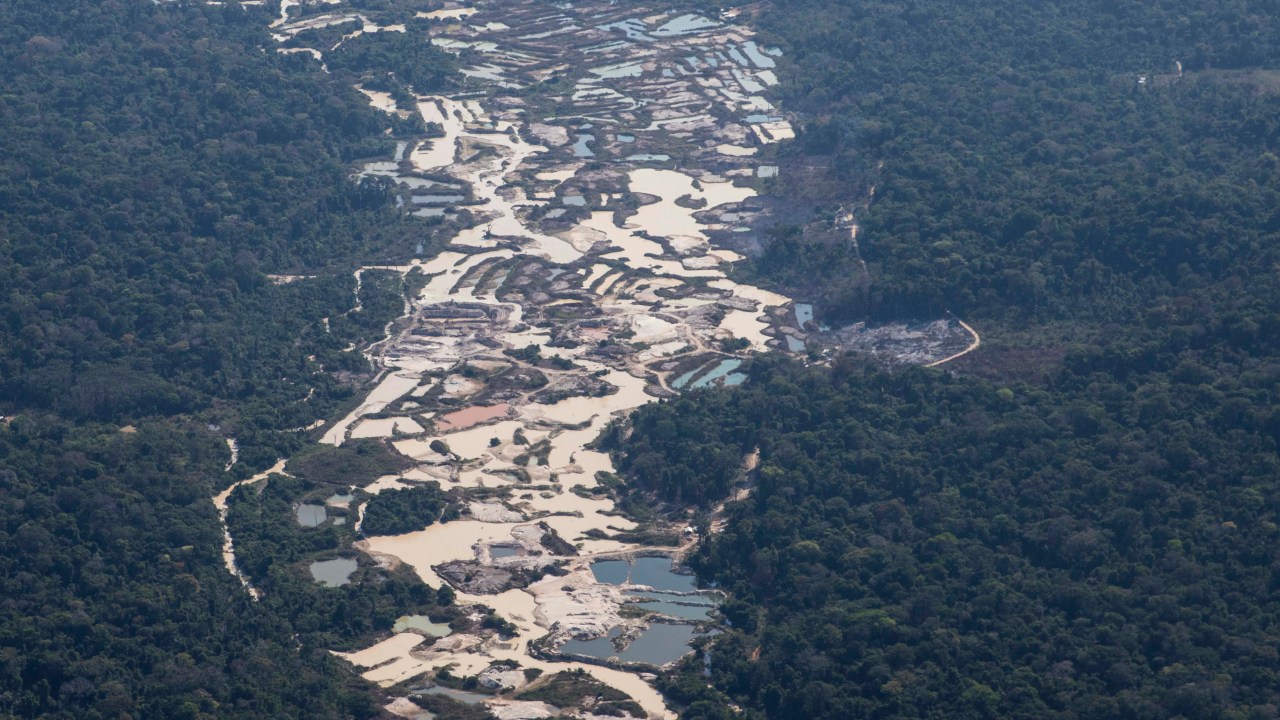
(688, 607)
(684, 379)
(580, 148)
(725, 367)
(669, 594)
(804, 313)
(611, 572)
(657, 645)
(722, 373)
(654, 572)
(422, 624)
(760, 59)
(684, 25)
(634, 29)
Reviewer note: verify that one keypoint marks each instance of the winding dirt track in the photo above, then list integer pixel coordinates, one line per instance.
(977, 340)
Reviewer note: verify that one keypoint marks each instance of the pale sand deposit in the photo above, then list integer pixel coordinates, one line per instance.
(487, 149)
(393, 387)
(736, 150)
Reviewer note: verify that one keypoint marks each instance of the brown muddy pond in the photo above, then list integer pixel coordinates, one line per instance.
(474, 415)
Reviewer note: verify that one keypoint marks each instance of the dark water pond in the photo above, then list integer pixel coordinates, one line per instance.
(311, 515)
(333, 573)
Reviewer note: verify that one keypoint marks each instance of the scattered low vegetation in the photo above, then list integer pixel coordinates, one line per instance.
(354, 463)
(577, 689)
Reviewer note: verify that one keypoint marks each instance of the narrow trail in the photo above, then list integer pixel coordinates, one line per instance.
(977, 341)
(228, 547)
(234, 448)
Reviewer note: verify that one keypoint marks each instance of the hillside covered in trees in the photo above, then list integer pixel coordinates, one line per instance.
(1078, 521)
(921, 545)
(157, 164)
(1074, 160)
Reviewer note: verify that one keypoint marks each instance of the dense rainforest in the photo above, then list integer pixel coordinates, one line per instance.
(922, 545)
(115, 600)
(1078, 520)
(157, 165)
(1011, 161)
